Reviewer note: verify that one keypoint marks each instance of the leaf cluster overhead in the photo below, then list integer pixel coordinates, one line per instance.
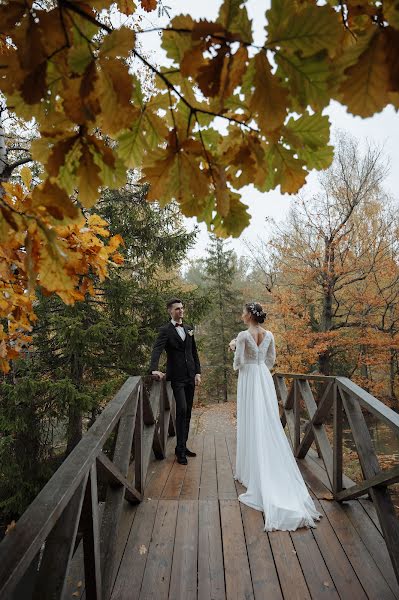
(63, 64)
(37, 250)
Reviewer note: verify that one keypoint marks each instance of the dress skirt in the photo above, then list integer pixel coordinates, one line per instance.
(265, 464)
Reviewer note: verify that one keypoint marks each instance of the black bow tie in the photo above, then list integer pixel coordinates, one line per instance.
(178, 325)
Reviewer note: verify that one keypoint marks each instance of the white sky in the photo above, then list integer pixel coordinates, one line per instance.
(382, 129)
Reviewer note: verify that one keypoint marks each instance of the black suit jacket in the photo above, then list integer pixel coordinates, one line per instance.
(182, 357)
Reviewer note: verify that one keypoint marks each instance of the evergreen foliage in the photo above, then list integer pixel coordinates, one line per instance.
(81, 354)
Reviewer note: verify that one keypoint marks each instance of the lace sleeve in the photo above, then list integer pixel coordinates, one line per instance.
(271, 353)
(239, 352)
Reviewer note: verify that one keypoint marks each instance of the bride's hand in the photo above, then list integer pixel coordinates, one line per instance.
(232, 345)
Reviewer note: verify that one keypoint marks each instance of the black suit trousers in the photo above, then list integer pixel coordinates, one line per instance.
(184, 395)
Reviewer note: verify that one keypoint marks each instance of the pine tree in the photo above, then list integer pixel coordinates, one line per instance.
(80, 354)
(222, 324)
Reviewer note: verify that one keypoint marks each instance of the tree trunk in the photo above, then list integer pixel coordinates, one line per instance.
(75, 422)
(327, 306)
(75, 428)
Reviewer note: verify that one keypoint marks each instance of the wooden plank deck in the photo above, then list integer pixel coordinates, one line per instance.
(192, 539)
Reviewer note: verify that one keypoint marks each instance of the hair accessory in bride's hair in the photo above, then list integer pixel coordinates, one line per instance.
(254, 309)
(257, 311)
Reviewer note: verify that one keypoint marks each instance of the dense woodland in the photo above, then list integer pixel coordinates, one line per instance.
(102, 152)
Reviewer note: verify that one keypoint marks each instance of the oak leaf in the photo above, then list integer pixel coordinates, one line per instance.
(149, 5)
(175, 44)
(118, 43)
(269, 99)
(368, 80)
(288, 171)
(89, 178)
(235, 220)
(309, 136)
(306, 31)
(127, 7)
(176, 175)
(54, 201)
(307, 79)
(233, 16)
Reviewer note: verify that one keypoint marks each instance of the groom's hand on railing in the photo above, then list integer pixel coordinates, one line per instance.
(157, 375)
(198, 379)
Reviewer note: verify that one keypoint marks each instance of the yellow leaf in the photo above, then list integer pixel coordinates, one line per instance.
(114, 89)
(40, 149)
(367, 82)
(118, 43)
(235, 220)
(175, 174)
(26, 176)
(127, 7)
(54, 201)
(269, 100)
(89, 179)
(290, 172)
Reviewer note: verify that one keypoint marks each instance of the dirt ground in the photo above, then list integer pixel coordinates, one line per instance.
(214, 418)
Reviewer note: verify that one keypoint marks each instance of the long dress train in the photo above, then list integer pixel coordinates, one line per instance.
(265, 464)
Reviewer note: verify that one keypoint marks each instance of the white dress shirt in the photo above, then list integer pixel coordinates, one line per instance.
(180, 330)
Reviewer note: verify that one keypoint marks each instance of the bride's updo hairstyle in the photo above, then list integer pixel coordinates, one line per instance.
(256, 311)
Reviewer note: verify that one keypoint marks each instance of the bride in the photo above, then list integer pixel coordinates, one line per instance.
(265, 464)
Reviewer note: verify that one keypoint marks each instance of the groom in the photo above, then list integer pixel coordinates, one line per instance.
(182, 369)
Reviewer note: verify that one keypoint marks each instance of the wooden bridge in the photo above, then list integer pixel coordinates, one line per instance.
(116, 522)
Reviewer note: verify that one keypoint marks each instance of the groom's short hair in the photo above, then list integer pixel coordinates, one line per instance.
(173, 301)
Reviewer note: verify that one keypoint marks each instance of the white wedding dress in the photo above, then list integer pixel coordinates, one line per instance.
(265, 464)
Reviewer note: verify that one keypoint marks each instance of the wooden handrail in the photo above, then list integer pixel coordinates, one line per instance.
(32, 558)
(342, 396)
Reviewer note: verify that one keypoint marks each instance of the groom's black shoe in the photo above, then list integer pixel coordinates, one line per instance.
(181, 457)
(189, 453)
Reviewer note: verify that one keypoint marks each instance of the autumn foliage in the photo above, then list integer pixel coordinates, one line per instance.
(63, 64)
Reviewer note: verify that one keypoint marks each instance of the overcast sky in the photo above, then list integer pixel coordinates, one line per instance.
(382, 129)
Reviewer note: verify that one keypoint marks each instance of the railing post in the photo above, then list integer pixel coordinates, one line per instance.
(337, 439)
(138, 444)
(297, 417)
(91, 538)
(162, 404)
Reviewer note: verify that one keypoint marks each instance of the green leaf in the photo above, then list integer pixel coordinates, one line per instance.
(236, 220)
(79, 57)
(287, 170)
(310, 130)
(131, 146)
(118, 43)
(307, 78)
(174, 43)
(317, 159)
(308, 137)
(234, 18)
(307, 31)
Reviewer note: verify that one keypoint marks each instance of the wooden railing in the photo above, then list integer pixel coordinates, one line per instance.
(35, 557)
(340, 396)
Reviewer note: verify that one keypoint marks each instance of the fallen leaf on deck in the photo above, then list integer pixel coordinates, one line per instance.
(142, 549)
